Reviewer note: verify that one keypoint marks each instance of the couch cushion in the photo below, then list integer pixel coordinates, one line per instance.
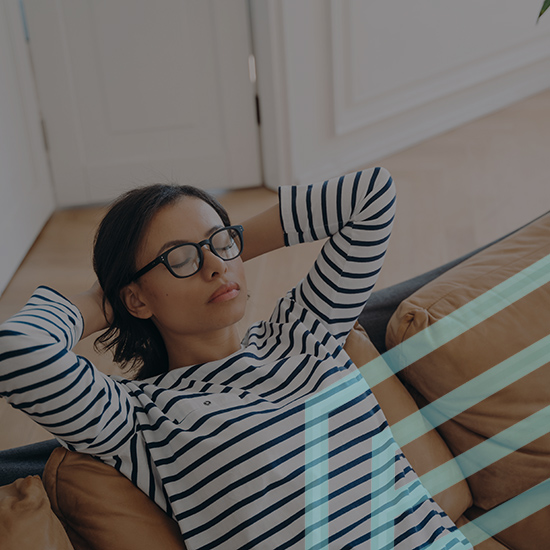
(428, 451)
(515, 393)
(26, 518)
(102, 510)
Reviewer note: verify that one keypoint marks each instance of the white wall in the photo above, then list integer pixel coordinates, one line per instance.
(26, 196)
(345, 82)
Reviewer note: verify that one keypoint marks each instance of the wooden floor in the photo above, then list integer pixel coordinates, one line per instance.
(455, 192)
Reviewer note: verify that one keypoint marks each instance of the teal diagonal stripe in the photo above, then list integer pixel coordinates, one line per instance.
(486, 453)
(508, 513)
(472, 392)
(457, 322)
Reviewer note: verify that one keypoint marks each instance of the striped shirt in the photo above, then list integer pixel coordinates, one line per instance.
(281, 444)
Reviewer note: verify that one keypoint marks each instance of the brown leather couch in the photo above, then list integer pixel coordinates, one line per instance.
(97, 508)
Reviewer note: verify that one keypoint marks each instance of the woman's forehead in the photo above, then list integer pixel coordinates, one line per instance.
(188, 219)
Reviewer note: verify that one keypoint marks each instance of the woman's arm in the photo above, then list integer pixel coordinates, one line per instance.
(356, 212)
(262, 233)
(65, 393)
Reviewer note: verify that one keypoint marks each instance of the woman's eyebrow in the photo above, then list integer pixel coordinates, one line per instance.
(177, 242)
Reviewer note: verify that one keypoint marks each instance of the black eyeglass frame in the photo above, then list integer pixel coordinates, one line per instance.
(163, 258)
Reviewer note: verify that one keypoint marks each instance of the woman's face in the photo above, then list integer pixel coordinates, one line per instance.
(211, 299)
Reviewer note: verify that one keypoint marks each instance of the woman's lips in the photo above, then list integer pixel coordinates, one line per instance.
(224, 293)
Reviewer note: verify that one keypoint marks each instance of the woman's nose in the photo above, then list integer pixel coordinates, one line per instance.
(213, 265)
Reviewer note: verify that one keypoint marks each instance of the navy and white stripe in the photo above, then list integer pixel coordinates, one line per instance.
(221, 445)
(356, 211)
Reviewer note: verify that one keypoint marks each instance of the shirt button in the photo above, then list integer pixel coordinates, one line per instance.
(207, 402)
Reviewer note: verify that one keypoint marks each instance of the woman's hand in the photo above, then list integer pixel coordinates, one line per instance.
(96, 316)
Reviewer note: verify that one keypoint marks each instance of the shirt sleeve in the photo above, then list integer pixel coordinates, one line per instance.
(40, 375)
(356, 212)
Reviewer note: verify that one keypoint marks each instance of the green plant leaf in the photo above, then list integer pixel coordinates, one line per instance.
(545, 6)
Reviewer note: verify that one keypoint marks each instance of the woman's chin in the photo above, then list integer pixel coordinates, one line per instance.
(228, 312)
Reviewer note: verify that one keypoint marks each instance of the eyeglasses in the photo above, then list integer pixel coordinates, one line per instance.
(187, 259)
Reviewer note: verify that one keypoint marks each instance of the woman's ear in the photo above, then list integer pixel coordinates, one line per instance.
(131, 298)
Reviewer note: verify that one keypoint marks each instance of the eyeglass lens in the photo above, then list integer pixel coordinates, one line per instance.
(185, 260)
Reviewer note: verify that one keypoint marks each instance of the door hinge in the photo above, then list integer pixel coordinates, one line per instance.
(258, 118)
(45, 135)
(252, 76)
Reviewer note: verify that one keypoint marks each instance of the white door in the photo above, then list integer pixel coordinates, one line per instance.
(140, 91)
(26, 195)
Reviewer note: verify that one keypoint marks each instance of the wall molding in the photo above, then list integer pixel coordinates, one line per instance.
(353, 111)
(410, 128)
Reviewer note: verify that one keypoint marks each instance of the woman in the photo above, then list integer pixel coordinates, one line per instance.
(272, 441)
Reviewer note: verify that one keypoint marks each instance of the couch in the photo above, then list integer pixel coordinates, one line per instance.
(464, 342)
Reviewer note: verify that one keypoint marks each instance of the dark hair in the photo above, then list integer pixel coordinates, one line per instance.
(136, 343)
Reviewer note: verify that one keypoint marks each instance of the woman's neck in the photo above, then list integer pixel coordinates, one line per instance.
(184, 351)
